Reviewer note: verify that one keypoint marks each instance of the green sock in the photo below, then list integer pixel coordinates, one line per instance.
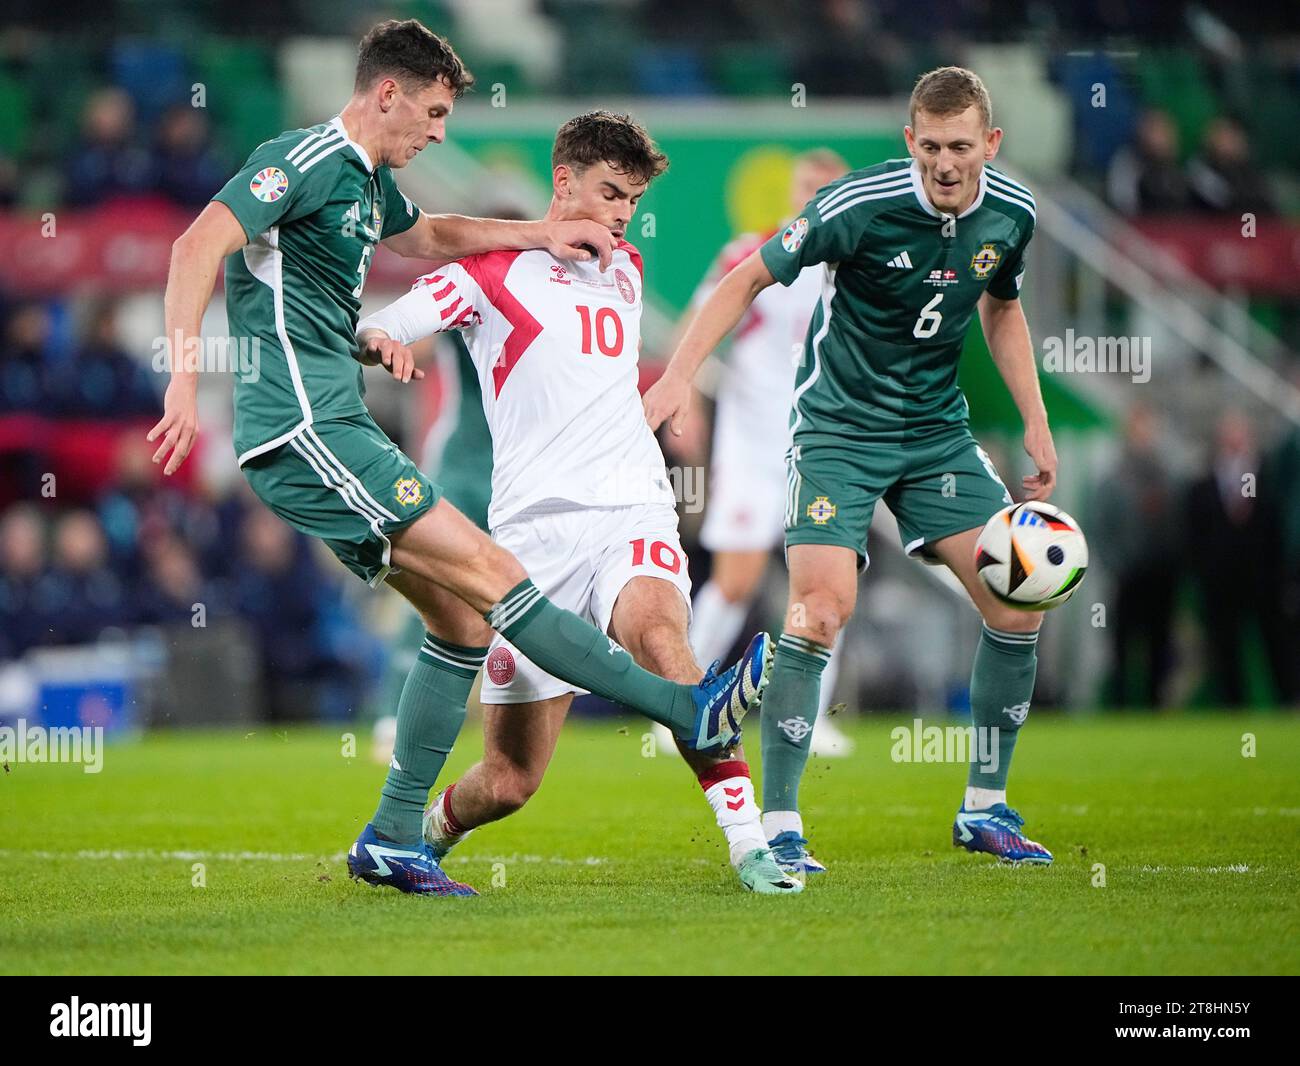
(563, 644)
(1001, 686)
(789, 713)
(430, 713)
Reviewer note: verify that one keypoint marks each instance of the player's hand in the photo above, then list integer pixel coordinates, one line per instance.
(1039, 446)
(581, 240)
(668, 399)
(392, 355)
(179, 425)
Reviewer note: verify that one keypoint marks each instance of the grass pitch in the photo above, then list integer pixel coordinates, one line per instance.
(616, 866)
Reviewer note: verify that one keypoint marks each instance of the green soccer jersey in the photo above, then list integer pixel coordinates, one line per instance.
(900, 284)
(313, 207)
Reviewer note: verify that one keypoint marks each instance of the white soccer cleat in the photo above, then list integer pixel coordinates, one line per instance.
(829, 741)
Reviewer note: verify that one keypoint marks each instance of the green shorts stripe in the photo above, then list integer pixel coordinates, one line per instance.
(342, 480)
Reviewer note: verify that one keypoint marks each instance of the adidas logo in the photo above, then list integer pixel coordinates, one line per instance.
(902, 261)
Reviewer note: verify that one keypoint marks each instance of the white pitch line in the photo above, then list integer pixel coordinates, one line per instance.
(119, 855)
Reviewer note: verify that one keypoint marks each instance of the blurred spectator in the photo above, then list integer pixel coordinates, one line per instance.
(81, 595)
(1135, 529)
(22, 563)
(107, 163)
(1234, 544)
(173, 587)
(103, 380)
(1223, 177)
(279, 592)
(1145, 178)
(25, 359)
(187, 170)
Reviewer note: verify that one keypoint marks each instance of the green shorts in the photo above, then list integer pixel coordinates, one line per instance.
(934, 488)
(344, 481)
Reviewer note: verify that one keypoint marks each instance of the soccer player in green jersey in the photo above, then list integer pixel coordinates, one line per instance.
(297, 228)
(910, 251)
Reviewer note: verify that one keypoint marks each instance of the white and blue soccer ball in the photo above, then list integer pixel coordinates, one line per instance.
(1031, 556)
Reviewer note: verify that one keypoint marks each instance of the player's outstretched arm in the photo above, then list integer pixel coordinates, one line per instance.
(445, 238)
(196, 257)
(669, 398)
(1007, 334)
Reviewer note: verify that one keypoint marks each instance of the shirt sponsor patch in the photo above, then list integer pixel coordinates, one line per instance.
(794, 234)
(269, 184)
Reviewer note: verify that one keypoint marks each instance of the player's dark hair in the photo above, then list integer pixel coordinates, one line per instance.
(949, 91)
(412, 54)
(608, 137)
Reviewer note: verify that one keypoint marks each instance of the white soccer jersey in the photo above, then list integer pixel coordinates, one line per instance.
(766, 343)
(555, 344)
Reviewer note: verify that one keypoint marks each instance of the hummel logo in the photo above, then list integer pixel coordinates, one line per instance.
(735, 805)
(902, 261)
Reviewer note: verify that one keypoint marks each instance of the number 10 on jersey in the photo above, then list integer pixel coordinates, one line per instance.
(607, 328)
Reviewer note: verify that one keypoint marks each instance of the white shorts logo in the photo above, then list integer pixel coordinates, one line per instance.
(795, 728)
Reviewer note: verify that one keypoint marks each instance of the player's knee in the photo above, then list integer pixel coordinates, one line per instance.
(1009, 620)
(818, 617)
(513, 787)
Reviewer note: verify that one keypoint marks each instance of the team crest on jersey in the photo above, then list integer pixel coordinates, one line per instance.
(408, 491)
(269, 184)
(984, 261)
(821, 510)
(625, 287)
(794, 234)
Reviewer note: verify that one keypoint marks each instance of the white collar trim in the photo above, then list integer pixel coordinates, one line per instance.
(924, 200)
(337, 123)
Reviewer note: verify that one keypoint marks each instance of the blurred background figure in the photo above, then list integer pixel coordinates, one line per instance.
(1136, 532)
(1146, 177)
(187, 170)
(108, 163)
(22, 565)
(1223, 178)
(81, 596)
(1235, 549)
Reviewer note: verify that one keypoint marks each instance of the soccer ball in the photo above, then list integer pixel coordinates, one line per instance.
(1031, 556)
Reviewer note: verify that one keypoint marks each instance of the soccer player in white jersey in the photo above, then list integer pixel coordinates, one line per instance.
(579, 489)
(745, 516)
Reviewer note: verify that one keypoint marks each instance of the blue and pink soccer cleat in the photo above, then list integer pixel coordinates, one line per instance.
(407, 868)
(996, 831)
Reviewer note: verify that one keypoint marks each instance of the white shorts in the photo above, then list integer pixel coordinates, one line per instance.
(745, 507)
(581, 559)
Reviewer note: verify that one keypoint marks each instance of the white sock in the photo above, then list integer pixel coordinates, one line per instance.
(436, 831)
(732, 800)
(715, 623)
(981, 799)
(778, 822)
(830, 674)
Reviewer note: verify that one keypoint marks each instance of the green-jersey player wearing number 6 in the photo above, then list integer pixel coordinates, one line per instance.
(910, 250)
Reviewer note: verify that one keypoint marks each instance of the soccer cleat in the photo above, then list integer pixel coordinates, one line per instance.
(435, 830)
(792, 855)
(407, 869)
(759, 873)
(997, 832)
(723, 700)
(829, 741)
